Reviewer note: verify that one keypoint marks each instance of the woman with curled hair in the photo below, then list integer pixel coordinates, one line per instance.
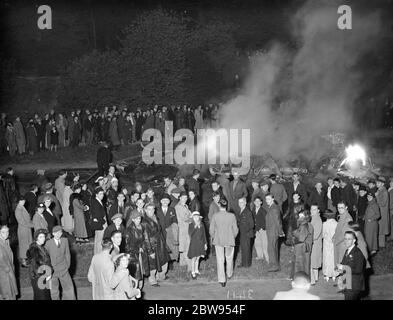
(40, 268)
(77, 209)
(126, 287)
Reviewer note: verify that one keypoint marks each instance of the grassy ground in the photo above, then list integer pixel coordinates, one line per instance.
(80, 157)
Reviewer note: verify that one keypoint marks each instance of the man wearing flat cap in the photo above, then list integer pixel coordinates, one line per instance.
(59, 252)
(117, 220)
(382, 197)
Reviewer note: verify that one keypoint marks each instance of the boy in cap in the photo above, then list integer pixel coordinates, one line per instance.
(59, 252)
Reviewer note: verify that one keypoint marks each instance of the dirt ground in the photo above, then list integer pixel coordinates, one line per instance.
(381, 288)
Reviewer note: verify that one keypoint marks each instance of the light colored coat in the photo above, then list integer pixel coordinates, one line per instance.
(124, 285)
(316, 251)
(183, 215)
(328, 230)
(338, 238)
(67, 220)
(25, 237)
(382, 197)
(59, 186)
(371, 217)
(60, 257)
(8, 288)
(223, 229)
(39, 222)
(101, 275)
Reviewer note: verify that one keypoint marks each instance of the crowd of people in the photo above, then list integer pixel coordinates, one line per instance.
(141, 233)
(116, 126)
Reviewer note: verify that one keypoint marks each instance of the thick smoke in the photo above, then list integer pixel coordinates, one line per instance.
(316, 85)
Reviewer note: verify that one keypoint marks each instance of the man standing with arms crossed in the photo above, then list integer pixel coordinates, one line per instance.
(223, 231)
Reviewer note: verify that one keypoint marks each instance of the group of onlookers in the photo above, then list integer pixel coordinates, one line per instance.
(116, 125)
(141, 233)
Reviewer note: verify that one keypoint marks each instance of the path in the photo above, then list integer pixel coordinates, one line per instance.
(381, 289)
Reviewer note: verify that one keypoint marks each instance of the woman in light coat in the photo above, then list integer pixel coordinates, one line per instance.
(183, 215)
(328, 230)
(124, 285)
(316, 251)
(371, 226)
(39, 221)
(67, 221)
(8, 287)
(25, 225)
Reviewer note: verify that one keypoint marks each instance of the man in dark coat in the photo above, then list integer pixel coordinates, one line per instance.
(297, 186)
(32, 137)
(318, 196)
(336, 192)
(40, 127)
(98, 216)
(31, 199)
(237, 190)
(245, 221)
(273, 232)
(354, 259)
(348, 195)
(104, 158)
(4, 208)
(193, 183)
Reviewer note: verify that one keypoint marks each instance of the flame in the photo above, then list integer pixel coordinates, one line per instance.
(354, 154)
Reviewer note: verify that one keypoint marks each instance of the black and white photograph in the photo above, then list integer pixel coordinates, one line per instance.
(206, 154)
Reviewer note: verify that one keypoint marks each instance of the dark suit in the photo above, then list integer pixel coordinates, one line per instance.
(31, 202)
(245, 222)
(300, 188)
(273, 231)
(50, 219)
(356, 261)
(318, 198)
(194, 185)
(240, 191)
(97, 212)
(348, 195)
(61, 260)
(104, 158)
(336, 196)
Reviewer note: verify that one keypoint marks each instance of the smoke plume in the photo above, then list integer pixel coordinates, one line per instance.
(292, 96)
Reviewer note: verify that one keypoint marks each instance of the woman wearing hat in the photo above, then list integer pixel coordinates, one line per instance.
(159, 262)
(40, 267)
(328, 230)
(24, 229)
(198, 242)
(371, 226)
(138, 247)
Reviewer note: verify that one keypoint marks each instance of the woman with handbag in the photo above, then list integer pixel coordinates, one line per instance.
(40, 267)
